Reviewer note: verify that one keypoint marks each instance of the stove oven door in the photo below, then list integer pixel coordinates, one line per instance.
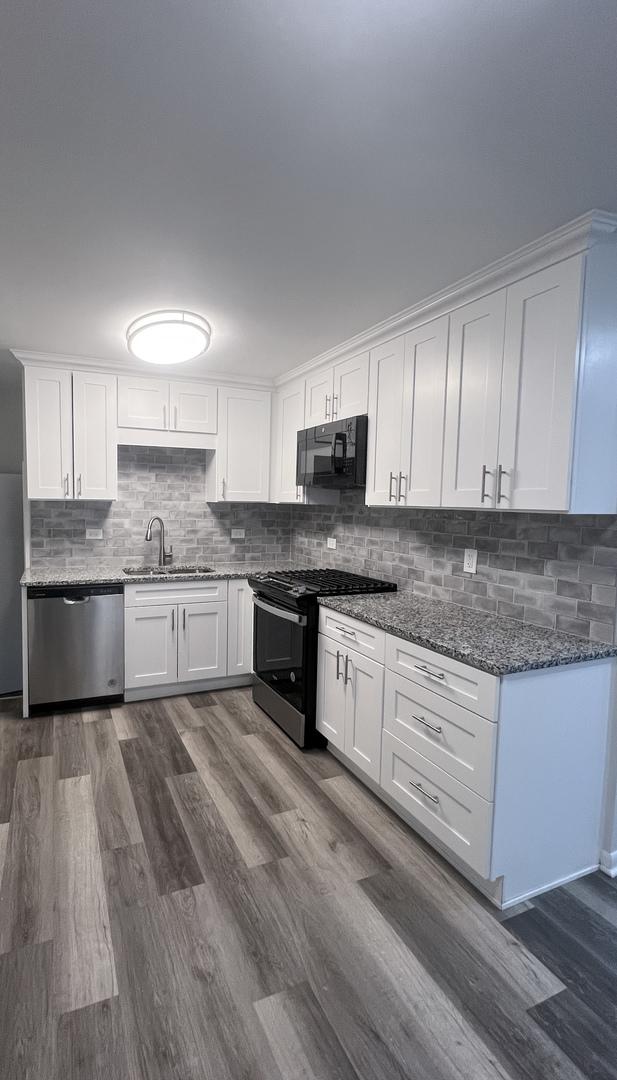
(281, 639)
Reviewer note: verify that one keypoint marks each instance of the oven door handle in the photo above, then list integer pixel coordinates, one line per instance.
(281, 613)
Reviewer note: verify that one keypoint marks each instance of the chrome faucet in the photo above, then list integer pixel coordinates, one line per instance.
(165, 554)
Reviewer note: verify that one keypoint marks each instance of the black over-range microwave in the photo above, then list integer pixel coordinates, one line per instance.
(333, 455)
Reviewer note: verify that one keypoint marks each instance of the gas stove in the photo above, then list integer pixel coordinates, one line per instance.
(286, 631)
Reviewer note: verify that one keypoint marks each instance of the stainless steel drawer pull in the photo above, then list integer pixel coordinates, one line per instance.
(427, 795)
(427, 671)
(346, 630)
(433, 727)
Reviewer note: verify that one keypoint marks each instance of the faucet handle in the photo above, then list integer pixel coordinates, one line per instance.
(168, 555)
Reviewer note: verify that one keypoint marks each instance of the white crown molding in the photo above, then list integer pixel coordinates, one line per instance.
(120, 367)
(570, 239)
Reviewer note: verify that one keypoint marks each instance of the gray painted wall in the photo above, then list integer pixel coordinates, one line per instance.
(11, 414)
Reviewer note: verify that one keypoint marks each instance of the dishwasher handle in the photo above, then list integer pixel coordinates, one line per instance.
(76, 600)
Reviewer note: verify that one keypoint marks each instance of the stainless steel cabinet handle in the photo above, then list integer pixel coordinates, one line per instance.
(483, 493)
(338, 657)
(391, 494)
(66, 485)
(79, 486)
(299, 491)
(334, 406)
(427, 794)
(173, 619)
(184, 618)
(223, 487)
(164, 416)
(401, 477)
(501, 472)
(427, 671)
(346, 630)
(433, 727)
(347, 677)
(176, 417)
(327, 410)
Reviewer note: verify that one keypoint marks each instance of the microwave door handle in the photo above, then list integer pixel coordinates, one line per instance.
(338, 457)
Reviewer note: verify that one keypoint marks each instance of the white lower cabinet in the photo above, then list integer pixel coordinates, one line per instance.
(349, 704)
(178, 633)
(202, 641)
(504, 775)
(150, 646)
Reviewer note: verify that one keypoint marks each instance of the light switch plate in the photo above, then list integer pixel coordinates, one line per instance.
(470, 562)
(238, 534)
(94, 534)
(331, 542)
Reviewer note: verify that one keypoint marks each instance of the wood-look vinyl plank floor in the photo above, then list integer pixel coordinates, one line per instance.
(188, 896)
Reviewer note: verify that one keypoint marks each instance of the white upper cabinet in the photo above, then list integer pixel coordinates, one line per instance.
(386, 422)
(538, 390)
(71, 450)
(319, 391)
(337, 392)
(350, 387)
(473, 401)
(94, 436)
(49, 433)
(143, 403)
(239, 471)
(287, 421)
(426, 358)
(193, 407)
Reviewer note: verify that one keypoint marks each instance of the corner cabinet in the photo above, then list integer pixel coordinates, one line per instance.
(239, 471)
(71, 447)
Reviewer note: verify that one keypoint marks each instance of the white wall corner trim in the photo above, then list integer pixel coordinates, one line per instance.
(608, 863)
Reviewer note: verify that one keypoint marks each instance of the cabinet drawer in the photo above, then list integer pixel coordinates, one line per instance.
(174, 592)
(476, 690)
(456, 816)
(457, 740)
(365, 639)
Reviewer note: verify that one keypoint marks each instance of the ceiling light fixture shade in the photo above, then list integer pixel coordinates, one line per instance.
(168, 337)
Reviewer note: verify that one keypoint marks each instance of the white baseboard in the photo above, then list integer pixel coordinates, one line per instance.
(608, 863)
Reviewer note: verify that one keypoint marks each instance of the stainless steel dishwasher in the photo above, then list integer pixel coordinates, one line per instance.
(75, 643)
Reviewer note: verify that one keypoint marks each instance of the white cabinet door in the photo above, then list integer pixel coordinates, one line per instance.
(202, 641)
(426, 360)
(319, 391)
(538, 394)
(243, 454)
(331, 692)
(143, 403)
(239, 628)
(364, 681)
(288, 420)
(193, 407)
(94, 436)
(475, 357)
(386, 413)
(350, 396)
(150, 646)
(49, 433)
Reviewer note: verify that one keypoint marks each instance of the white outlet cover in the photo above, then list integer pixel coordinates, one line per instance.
(331, 542)
(94, 534)
(470, 561)
(238, 534)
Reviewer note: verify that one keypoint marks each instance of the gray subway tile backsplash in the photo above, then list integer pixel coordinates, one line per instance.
(547, 569)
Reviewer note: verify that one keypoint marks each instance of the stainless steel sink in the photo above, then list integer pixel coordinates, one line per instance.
(166, 571)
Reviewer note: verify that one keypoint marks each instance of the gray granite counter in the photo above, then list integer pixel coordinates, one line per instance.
(107, 574)
(491, 643)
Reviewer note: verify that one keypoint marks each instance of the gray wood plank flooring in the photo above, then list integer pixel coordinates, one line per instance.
(184, 895)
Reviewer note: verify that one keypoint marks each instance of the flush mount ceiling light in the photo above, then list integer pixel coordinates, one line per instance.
(168, 337)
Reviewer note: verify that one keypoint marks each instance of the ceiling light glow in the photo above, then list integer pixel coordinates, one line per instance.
(168, 337)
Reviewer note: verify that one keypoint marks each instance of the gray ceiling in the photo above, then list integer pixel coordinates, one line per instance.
(294, 169)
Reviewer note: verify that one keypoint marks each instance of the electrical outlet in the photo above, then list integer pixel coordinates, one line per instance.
(331, 542)
(94, 534)
(238, 534)
(470, 562)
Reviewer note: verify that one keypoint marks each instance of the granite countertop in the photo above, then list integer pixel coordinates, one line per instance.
(107, 574)
(491, 643)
